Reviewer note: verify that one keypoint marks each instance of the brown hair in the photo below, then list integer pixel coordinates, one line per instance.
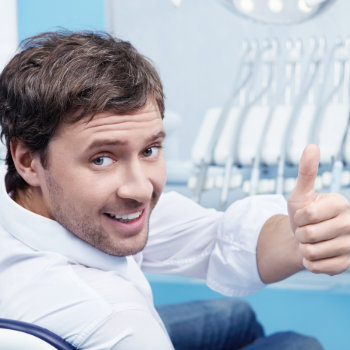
(57, 74)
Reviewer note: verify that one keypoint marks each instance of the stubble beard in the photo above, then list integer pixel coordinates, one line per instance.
(84, 227)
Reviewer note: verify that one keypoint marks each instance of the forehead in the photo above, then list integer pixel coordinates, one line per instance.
(145, 122)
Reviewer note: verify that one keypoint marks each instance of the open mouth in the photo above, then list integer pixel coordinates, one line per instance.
(127, 217)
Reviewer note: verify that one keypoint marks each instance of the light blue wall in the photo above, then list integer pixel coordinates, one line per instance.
(35, 16)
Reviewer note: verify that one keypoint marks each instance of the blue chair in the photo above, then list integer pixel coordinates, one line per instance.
(18, 335)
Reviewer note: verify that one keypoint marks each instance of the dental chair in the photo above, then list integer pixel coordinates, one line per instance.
(17, 335)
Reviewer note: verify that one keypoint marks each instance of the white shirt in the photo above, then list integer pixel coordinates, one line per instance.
(97, 301)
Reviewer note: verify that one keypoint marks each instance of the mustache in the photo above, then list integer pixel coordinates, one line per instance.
(129, 204)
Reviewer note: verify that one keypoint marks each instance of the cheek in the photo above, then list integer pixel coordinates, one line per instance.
(81, 189)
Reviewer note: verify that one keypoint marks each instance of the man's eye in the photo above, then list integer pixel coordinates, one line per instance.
(102, 161)
(151, 151)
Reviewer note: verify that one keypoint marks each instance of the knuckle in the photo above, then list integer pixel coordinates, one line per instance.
(311, 266)
(310, 213)
(309, 252)
(310, 233)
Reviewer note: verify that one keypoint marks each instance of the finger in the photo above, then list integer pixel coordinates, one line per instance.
(332, 266)
(323, 231)
(326, 249)
(307, 172)
(325, 207)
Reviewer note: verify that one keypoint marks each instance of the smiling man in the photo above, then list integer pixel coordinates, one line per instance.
(104, 190)
(81, 114)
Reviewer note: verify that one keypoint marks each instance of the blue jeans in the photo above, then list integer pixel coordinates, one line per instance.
(225, 324)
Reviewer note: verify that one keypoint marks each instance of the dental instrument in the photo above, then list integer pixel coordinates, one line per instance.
(247, 62)
(292, 57)
(232, 156)
(311, 70)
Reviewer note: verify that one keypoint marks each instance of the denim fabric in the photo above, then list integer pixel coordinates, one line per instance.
(225, 324)
(285, 341)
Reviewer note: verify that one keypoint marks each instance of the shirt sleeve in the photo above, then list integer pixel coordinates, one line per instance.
(220, 247)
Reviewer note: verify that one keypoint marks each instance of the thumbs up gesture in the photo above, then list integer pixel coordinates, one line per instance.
(320, 221)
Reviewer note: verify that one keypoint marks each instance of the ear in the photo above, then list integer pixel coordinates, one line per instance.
(26, 162)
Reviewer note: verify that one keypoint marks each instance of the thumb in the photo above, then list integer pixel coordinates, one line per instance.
(307, 173)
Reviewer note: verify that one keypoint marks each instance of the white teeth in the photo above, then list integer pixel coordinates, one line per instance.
(131, 216)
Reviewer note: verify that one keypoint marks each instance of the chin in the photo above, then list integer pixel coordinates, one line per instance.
(124, 248)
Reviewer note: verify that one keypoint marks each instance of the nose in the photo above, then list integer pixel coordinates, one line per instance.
(135, 183)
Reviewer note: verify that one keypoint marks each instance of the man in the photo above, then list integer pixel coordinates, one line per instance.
(81, 114)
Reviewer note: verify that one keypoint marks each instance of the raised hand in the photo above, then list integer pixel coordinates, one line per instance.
(321, 222)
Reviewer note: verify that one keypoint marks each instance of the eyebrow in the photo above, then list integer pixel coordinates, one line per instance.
(113, 142)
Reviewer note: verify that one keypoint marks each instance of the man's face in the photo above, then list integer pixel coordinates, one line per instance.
(104, 177)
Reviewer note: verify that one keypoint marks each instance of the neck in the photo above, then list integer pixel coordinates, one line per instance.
(31, 199)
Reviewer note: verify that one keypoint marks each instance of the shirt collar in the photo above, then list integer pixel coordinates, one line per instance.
(44, 234)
